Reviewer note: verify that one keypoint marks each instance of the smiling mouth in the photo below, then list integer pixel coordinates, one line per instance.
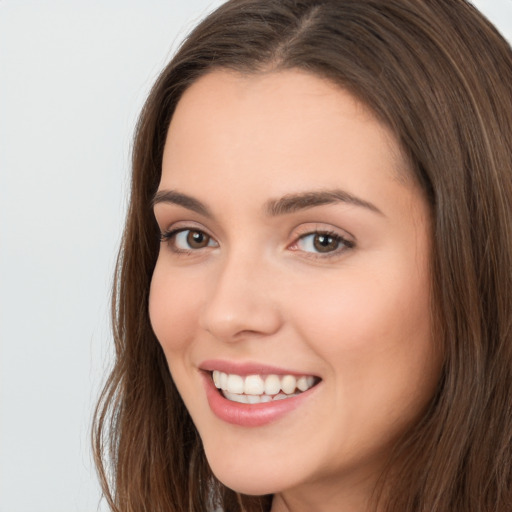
(256, 389)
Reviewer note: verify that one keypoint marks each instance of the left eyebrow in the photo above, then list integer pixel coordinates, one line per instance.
(301, 201)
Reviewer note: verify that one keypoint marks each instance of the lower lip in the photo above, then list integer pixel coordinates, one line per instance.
(250, 415)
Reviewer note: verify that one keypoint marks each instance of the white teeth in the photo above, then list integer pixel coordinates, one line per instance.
(288, 384)
(235, 383)
(302, 383)
(255, 389)
(272, 385)
(243, 399)
(255, 399)
(223, 381)
(254, 385)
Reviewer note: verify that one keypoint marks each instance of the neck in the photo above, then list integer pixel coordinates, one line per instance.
(340, 497)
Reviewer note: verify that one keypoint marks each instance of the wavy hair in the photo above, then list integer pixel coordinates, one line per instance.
(440, 76)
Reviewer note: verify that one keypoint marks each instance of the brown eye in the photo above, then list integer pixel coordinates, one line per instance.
(197, 239)
(186, 240)
(325, 242)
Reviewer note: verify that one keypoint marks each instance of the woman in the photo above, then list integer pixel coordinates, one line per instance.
(313, 297)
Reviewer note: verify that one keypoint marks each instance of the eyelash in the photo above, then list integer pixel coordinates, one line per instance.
(170, 238)
(342, 244)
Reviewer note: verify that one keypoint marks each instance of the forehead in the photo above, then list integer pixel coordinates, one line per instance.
(262, 136)
(289, 96)
(280, 111)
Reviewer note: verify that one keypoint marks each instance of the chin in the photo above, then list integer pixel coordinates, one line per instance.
(249, 486)
(249, 479)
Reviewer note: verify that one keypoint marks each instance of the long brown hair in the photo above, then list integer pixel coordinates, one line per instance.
(440, 76)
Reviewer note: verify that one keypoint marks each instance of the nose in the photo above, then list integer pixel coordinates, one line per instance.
(241, 301)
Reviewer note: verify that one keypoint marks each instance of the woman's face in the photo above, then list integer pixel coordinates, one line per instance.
(294, 273)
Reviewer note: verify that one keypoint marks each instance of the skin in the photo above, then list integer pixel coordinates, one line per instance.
(357, 316)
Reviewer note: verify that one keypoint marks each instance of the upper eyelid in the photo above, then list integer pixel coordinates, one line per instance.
(182, 225)
(320, 227)
(173, 231)
(345, 240)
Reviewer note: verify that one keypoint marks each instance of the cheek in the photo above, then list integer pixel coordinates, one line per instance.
(374, 331)
(173, 309)
(363, 311)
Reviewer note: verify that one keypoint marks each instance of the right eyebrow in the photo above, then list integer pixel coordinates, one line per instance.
(188, 202)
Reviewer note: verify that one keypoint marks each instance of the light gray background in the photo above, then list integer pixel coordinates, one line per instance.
(73, 76)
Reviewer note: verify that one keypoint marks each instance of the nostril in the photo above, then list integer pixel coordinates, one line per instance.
(233, 323)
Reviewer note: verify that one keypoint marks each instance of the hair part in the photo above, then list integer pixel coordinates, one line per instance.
(440, 76)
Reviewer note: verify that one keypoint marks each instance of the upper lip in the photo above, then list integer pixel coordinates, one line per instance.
(247, 368)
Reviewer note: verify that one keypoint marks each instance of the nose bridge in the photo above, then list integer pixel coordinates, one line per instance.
(241, 299)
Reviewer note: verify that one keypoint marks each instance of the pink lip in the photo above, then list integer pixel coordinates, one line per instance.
(244, 369)
(250, 415)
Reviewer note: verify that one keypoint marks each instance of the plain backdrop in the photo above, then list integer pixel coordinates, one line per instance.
(73, 76)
